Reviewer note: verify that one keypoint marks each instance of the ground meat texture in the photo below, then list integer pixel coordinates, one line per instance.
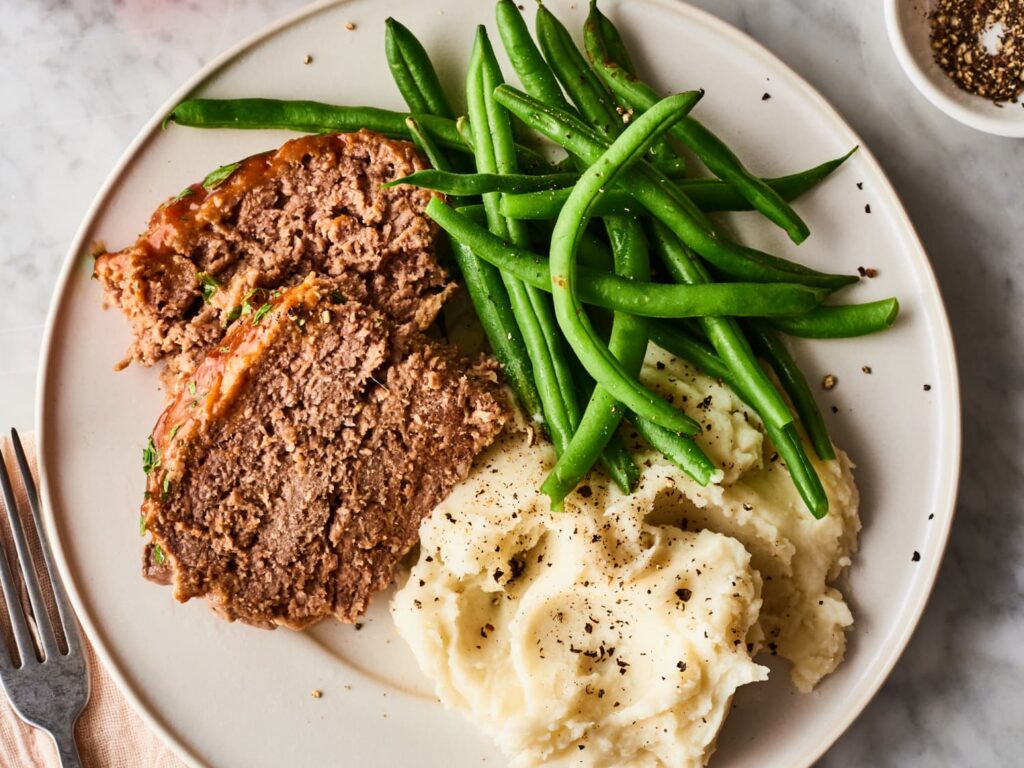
(299, 457)
(314, 205)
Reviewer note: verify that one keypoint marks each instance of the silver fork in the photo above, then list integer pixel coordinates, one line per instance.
(47, 688)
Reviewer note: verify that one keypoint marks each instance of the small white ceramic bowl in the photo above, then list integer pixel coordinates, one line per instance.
(909, 33)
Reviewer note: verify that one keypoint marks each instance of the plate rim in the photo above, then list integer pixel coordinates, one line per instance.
(950, 455)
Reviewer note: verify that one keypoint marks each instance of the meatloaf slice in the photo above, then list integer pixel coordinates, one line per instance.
(295, 464)
(314, 205)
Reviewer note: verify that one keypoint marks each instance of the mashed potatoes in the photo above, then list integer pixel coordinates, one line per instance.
(616, 632)
(803, 618)
(584, 637)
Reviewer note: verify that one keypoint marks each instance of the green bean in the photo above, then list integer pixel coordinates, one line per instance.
(656, 192)
(564, 391)
(595, 253)
(710, 195)
(615, 47)
(500, 125)
(627, 343)
(474, 212)
(681, 451)
(534, 73)
(462, 127)
(674, 168)
(539, 80)
(597, 427)
(317, 117)
(594, 100)
(490, 300)
(685, 346)
(530, 160)
(628, 338)
(602, 416)
(481, 183)
(417, 80)
(724, 333)
(712, 151)
(598, 24)
(786, 441)
(842, 321)
(542, 204)
(599, 362)
(427, 146)
(623, 294)
(579, 81)
(614, 460)
(413, 71)
(769, 346)
(494, 153)
(305, 116)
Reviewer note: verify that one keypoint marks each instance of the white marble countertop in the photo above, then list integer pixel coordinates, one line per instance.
(80, 77)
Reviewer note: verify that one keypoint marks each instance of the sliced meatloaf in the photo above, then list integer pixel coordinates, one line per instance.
(314, 205)
(294, 465)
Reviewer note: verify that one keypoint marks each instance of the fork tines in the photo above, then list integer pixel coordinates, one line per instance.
(20, 623)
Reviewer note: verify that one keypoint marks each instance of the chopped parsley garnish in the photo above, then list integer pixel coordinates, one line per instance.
(246, 308)
(234, 314)
(225, 350)
(174, 431)
(186, 192)
(208, 285)
(337, 297)
(219, 176)
(158, 555)
(192, 388)
(165, 486)
(261, 313)
(142, 525)
(150, 456)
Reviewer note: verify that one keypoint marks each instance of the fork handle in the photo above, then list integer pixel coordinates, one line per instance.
(67, 749)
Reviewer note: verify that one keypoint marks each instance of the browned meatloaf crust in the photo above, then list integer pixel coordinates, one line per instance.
(298, 459)
(314, 205)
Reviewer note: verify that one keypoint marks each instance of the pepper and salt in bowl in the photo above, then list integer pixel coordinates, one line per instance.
(965, 56)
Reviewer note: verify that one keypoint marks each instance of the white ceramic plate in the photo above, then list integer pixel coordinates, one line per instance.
(230, 695)
(910, 34)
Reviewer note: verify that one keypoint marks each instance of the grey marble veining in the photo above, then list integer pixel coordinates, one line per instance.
(80, 77)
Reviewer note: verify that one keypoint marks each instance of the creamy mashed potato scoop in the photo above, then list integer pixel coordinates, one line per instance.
(582, 637)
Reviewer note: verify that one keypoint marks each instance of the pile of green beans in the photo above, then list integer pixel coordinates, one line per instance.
(712, 151)
(642, 298)
(495, 153)
(627, 341)
(555, 254)
(541, 196)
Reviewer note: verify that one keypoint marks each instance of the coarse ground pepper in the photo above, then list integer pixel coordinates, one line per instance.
(980, 45)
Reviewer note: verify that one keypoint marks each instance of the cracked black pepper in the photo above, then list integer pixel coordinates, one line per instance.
(980, 45)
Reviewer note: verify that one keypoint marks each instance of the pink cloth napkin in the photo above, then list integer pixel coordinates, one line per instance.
(109, 733)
